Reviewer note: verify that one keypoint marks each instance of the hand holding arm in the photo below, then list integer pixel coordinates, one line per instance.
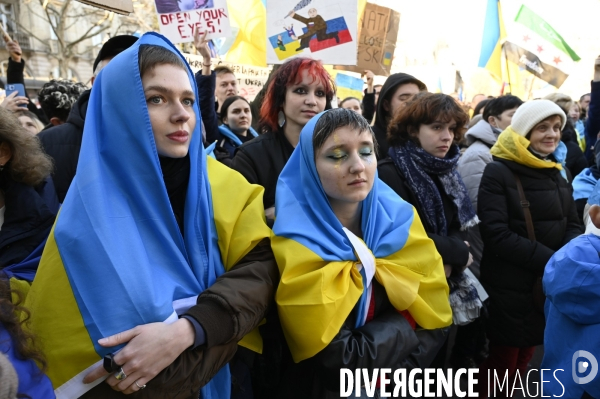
(150, 349)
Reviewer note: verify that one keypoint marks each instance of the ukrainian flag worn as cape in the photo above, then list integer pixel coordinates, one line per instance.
(115, 257)
(320, 284)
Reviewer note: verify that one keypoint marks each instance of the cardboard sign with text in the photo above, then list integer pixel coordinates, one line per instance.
(178, 20)
(376, 40)
(124, 7)
(251, 79)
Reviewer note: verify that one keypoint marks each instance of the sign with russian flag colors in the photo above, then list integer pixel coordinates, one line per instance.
(320, 29)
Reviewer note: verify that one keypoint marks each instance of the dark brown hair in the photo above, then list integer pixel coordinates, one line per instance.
(151, 55)
(29, 163)
(335, 119)
(12, 317)
(424, 109)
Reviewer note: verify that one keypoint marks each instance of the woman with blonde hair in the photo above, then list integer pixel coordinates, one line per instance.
(29, 120)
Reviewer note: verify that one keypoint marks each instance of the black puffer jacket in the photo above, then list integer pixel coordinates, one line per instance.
(511, 262)
(63, 143)
(261, 160)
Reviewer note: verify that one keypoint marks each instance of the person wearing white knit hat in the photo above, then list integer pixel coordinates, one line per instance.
(532, 112)
(521, 232)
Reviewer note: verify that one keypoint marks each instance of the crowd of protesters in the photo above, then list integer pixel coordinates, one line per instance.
(197, 244)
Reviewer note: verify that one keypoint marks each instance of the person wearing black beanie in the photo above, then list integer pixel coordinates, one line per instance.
(397, 90)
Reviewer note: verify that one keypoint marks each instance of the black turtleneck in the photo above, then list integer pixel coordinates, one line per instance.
(176, 174)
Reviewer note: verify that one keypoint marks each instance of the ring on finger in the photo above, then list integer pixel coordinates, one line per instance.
(140, 387)
(121, 374)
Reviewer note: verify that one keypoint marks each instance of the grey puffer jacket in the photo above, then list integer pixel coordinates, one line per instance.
(471, 164)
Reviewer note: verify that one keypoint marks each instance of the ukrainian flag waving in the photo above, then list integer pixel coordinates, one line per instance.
(116, 258)
(320, 283)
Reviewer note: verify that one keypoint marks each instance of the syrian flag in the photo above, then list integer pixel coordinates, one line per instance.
(537, 47)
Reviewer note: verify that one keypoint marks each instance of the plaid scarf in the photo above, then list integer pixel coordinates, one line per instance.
(416, 165)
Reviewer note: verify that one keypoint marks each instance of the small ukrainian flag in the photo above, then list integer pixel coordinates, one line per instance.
(387, 58)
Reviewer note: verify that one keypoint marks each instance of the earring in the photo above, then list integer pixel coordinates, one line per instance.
(281, 119)
(1, 168)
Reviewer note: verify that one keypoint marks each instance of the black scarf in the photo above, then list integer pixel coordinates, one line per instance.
(176, 174)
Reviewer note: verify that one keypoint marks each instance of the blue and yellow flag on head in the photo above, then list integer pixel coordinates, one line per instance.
(320, 284)
(494, 33)
(115, 257)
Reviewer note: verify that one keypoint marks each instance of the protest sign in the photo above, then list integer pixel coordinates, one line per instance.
(178, 20)
(321, 29)
(251, 79)
(377, 40)
(124, 7)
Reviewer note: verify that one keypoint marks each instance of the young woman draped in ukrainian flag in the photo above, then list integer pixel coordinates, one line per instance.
(357, 268)
(150, 230)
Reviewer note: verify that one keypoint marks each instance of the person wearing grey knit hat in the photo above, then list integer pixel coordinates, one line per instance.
(527, 212)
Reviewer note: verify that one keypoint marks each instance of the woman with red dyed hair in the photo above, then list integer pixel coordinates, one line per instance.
(300, 89)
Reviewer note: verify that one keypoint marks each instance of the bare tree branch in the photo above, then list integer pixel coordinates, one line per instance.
(87, 35)
(30, 33)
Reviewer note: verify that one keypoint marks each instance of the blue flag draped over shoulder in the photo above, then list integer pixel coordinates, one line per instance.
(320, 284)
(115, 258)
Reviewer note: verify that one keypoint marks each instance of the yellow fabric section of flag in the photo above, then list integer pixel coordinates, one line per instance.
(494, 64)
(235, 221)
(22, 286)
(517, 80)
(315, 297)
(430, 307)
(237, 206)
(64, 361)
(250, 45)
